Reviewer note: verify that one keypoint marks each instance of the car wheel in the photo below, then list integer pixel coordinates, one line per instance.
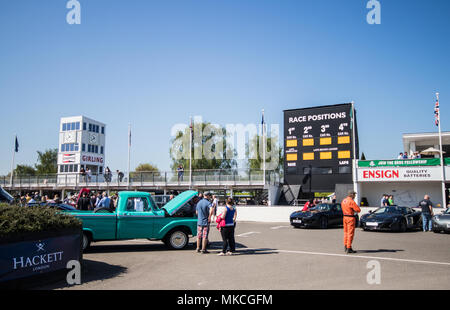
(86, 241)
(403, 226)
(176, 239)
(323, 223)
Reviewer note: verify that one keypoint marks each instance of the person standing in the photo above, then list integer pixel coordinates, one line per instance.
(427, 213)
(120, 175)
(88, 174)
(349, 208)
(108, 175)
(84, 203)
(83, 174)
(180, 171)
(391, 200)
(229, 215)
(104, 201)
(308, 205)
(204, 213)
(214, 205)
(382, 200)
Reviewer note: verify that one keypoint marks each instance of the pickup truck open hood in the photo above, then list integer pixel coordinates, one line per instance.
(175, 204)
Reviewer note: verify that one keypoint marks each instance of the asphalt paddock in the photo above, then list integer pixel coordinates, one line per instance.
(273, 256)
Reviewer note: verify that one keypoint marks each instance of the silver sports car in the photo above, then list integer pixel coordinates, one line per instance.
(441, 222)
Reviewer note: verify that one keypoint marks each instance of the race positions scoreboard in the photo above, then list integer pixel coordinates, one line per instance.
(319, 141)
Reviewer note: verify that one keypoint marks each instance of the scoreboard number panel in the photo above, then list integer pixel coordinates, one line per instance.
(322, 138)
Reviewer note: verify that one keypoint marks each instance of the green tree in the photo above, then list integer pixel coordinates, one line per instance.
(24, 170)
(209, 149)
(47, 161)
(255, 156)
(147, 167)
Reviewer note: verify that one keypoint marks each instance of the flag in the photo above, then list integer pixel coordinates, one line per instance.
(263, 124)
(436, 113)
(16, 147)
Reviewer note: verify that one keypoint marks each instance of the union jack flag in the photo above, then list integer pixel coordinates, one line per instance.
(436, 113)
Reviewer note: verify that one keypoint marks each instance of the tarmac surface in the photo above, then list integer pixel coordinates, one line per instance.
(272, 256)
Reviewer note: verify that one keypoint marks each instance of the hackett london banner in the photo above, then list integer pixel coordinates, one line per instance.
(28, 258)
(399, 162)
(399, 174)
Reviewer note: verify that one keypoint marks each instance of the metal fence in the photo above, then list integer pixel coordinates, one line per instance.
(149, 179)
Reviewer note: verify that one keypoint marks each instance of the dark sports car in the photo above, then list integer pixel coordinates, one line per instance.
(393, 218)
(58, 206)
(441, 222)
(323, 216)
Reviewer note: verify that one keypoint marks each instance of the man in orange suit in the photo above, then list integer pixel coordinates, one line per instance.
(349, 208)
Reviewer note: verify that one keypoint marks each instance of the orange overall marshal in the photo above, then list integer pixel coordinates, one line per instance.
(349, 208)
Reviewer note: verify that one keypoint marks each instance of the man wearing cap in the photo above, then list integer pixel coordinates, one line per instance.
(349, 208)
(204, 213)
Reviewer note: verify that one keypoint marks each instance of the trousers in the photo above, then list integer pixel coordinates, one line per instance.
(349, 231)
(227, 233)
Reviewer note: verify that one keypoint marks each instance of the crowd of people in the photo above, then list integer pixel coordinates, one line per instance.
(405, 155)
(82, 201)
(86, 175)
(387, 200)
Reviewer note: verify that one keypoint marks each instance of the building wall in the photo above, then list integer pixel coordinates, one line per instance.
(83, 136)
(405, 193)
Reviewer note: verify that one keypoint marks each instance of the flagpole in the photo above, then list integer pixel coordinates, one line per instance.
(355, 174)
(441, 153)
(12, 164)
(191, 129)
(129, 152)
(264, 148)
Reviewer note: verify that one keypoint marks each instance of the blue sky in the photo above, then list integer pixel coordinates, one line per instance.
(154, 63)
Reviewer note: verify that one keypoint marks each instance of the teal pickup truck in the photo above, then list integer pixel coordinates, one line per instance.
(137, 216)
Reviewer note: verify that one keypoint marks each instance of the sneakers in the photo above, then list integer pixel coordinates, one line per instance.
(229, 253)
(205, 252)
(221, 254)
(350, 250)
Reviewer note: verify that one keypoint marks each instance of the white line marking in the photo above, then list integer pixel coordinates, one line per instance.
(248, 233)
(278, 227)
(366, 257)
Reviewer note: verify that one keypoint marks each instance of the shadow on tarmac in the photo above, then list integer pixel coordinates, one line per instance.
(379, 251)
(240, 249)
(90, 271)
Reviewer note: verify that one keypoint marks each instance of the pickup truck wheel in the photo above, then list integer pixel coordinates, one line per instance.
(177, 240)
(86, 241)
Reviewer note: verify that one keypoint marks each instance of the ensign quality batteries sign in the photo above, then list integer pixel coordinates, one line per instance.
(399, 174)
(320, 139)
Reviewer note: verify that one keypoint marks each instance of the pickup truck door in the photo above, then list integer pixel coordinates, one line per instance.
(137, 219)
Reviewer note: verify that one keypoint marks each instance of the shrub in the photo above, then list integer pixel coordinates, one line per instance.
(15, 220)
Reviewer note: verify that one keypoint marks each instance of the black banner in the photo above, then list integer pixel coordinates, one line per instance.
(29, 258)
